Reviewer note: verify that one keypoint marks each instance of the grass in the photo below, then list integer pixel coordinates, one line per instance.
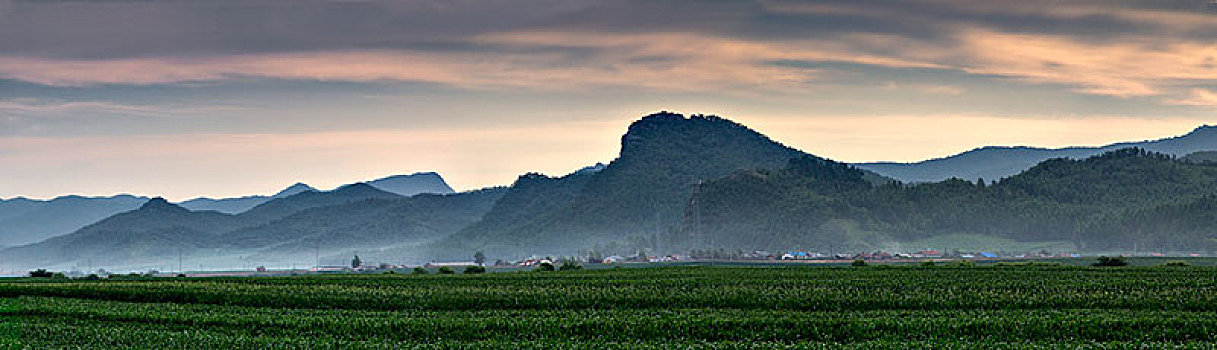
(671, 307)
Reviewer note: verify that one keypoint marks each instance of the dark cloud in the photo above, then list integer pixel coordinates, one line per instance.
(115, 29)
(111, 29)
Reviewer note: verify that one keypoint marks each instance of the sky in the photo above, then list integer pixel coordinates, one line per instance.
(221, 98)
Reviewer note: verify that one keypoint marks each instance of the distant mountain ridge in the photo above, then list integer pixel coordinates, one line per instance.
(995, 162)
(24, 221)
(282, 229)
(241, 204)
(416, 183)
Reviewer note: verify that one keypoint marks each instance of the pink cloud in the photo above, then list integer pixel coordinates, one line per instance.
(680, 62)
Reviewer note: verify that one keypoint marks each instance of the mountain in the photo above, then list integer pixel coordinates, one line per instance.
(241, 204)
(294, 189)
(993, 163)
(282, 207)
(155, 229)
(367, 224)
(1118, 200)
(417, 183)
(290, 229)
(24, 221)
(529, 203)
(637, 196)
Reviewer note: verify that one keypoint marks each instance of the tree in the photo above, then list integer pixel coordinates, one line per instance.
(41, 273)
(356, 263)
(445, 270)
(479, 258)
(471, 270)
(420, 271)
(569, 264)
(1111, 261)
(545, 267)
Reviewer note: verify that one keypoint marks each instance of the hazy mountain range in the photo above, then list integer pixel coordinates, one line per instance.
(24, 221)
(681, 183)
(352, 216)
(992, 163)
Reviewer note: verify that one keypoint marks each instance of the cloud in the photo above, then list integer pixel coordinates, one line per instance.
(933, 89)
(51, 107)
(1199, 97)
(1109, 48)
(1135, 67)
(537, 60)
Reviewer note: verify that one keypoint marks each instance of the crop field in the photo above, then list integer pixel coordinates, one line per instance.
(876, 307)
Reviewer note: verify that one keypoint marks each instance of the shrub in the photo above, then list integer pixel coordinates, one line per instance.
(569, 265)
(444, 270)
(41, 273)
(1176, 263)
(420, 271)
(471, 270)
(927, 263)
(181, 275)
(390, 272)
(858, 262)
(545, 267)
(1111, 261)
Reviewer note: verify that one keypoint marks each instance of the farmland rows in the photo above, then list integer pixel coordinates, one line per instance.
(632, 308)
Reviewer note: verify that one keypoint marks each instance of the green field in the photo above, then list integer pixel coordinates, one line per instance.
(659, 308)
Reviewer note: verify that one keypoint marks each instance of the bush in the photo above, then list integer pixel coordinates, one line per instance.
(471, 270)
(927, 263)
(41, 273)
(390, 272)
(181, 275)
(858, 263)
(569, 265)
(1176, 263)
(420, 271)
(444, 270)
(1111, 261)
(545, 267)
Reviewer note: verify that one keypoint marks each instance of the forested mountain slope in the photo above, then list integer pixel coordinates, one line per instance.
(639, 195)
(1115, 200)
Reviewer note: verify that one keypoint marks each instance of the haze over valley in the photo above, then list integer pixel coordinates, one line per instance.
(680, 185)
